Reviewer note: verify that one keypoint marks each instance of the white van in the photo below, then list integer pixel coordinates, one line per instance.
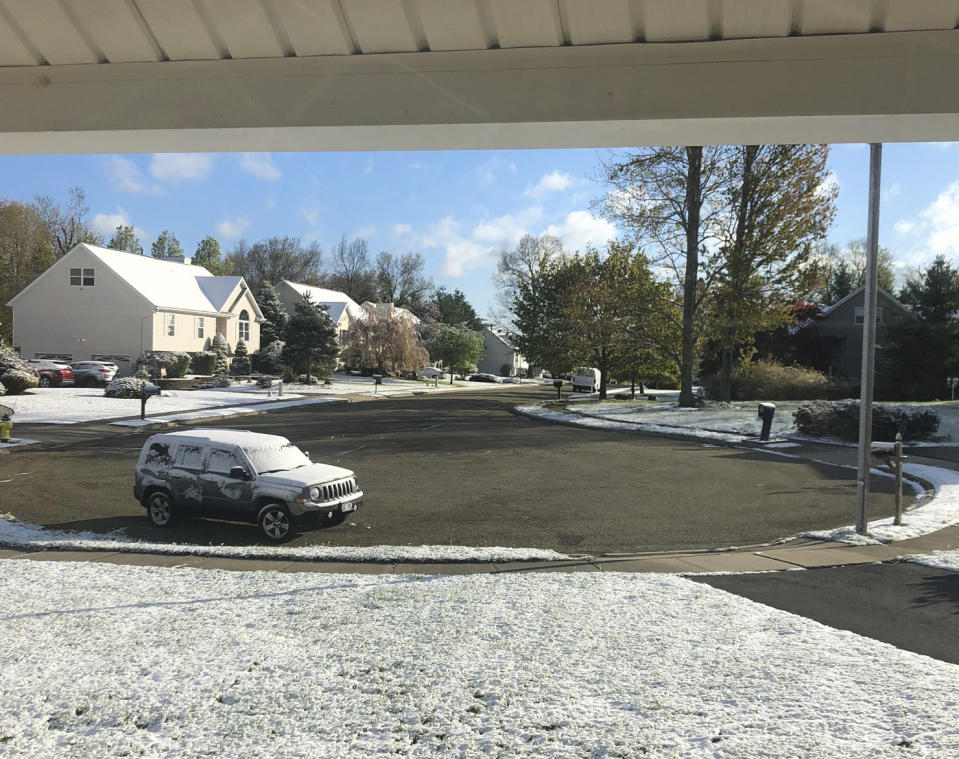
(585, 379)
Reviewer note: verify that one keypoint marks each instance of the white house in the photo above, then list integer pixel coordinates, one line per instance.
(102, 304)
(342, 308)
(497, 351)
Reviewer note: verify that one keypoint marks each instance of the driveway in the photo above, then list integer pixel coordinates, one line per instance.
(460, 469)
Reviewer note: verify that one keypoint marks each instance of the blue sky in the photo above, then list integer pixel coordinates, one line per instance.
(456, 208)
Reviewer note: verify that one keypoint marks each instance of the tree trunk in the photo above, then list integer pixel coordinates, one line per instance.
(307, 371)
(603, 371)
(725, 372)
(694, 201)
(451, 374)
(633, 385)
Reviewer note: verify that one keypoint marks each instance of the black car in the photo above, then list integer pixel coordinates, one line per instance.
(484, 378)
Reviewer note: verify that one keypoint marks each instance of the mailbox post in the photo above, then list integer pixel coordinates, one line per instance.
(558, 384)
(377, 380)
(891, 454)
(147, 391)
(766, 412)
(952, 382)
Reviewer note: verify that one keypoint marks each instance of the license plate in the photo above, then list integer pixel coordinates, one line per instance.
(348, 507)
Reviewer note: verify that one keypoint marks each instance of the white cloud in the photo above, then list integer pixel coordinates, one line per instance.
(181, 167)
(106, 223)
(462, 254)
(487, 171)
(260, 165)
(893, 191)
(904, 226)
(580, 229)
(367, 231)
(402, 230)
(125, 176)
(311, 210)
(555, 181)
(506, 230)
(940, 221)
(232, 228)
(830, 182)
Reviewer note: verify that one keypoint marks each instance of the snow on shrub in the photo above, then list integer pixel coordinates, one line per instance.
(203, 362)
(241, 360)
(155, 361)
(841, 419)
(269, 358)
(181, 365)
(125, 387)
(15, 374)
(3, 389)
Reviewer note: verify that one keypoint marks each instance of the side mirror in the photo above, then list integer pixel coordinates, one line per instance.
(238, 473)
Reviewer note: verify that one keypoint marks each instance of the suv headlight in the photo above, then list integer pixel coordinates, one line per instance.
(314, 493)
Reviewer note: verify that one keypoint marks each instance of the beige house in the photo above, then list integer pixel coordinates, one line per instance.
(109, 305)
(499, 351)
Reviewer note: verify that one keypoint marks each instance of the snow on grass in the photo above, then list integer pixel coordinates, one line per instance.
(70, 405)
(224, 411)
(930, 516)
(16, 442)
(948, 560)
(19, 534)
(347, 384)
(105, 660)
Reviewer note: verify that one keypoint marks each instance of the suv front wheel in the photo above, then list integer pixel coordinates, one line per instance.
(275, 522)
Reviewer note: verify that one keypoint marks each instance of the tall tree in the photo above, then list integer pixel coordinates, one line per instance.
(922, 351)
(273, 326)
(166, 246)
(311, 339)
(26, 251)
(516, 267)
(400, 279)
(209, 256)
(456, 347)
(350, 270)
(454, 308)
(125, 238)
(843, 270)
(670, 201)
(274, 259)
(67, 225)
(777, 212)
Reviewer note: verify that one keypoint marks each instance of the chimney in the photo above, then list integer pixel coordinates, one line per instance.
(180, 259)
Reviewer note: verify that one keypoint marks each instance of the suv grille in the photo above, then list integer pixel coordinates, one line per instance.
(339, 489)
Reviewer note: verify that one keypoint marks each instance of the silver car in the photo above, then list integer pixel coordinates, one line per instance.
(240, 476)
(90, 373)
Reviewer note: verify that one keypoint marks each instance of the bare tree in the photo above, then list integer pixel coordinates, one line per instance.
(517, 267)
(68, 226)
(350, 270)
(400, 279)
(274, 259)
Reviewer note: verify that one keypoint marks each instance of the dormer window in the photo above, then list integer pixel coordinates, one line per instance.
(81, 278)
(171, 325)
(244, 326)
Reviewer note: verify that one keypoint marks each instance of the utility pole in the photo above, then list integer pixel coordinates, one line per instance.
(868, 340)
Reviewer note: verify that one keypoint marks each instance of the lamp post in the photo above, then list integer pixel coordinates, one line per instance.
(952, 382)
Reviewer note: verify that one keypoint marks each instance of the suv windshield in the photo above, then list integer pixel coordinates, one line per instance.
(276, 459)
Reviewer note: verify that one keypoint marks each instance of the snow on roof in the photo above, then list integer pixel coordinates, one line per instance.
(169, 284)
(388, 309)
(334, 300)
(244, 438)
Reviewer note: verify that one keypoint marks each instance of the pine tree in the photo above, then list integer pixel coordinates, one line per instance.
(273, 327)
(125, 238)
(166, 246)
(241, 358)
(209, 256)
(311, 339)
(221, 348)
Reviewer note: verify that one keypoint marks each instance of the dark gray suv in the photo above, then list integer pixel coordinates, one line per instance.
(240, 476)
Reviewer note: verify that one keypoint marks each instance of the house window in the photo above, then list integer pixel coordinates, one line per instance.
(860, 310)
(171, 325)
(200, 328)
(343, 335)
(244, 326)
(81, 278)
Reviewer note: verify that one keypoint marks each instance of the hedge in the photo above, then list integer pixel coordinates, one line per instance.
(841, 419)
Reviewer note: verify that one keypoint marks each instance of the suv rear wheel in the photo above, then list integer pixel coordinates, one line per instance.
(160, 509)
(275, 522)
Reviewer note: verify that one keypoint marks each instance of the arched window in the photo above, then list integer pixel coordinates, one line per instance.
(244, 331)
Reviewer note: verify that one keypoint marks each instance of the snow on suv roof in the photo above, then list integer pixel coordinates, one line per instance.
(243, 438)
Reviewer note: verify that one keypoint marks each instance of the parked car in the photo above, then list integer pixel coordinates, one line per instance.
(89, 373)
(242, 476)
(483, 377)
(512, 380)
(585, 379)
(431, 372)
(51, 373)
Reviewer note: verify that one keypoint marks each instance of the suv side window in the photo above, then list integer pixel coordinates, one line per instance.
(222, 460)
(189, 457)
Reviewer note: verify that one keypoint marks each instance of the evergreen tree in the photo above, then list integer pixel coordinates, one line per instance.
(209, 256)
(125, 238)
(455, 309)
(241, 358)
(166, 246)
(221, 348)
(311, 339)
(273, 327)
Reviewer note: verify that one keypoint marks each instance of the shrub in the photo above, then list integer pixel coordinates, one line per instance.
(156, 361)
(268, 358)
(768, 380)
(288, 374)
(181, 367)
(125, 387)
(203, 362)
(841, 419)
(15, 381)
(142, 374)
(221, 380)
(506, 370)
(3, 390)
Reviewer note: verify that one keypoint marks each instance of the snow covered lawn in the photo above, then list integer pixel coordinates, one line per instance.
(739, 417)
(69, 405)
(105, 660)
(938, 559)
(348, 384)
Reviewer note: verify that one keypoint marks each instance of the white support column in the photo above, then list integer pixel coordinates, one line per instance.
(868, 340)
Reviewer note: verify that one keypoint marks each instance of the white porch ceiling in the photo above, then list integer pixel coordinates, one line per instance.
(105, 75)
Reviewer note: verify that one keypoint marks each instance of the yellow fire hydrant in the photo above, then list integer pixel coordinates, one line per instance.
(6, 428)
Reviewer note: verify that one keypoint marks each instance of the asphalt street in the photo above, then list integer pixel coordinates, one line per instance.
(460, 469)
(907, 605)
